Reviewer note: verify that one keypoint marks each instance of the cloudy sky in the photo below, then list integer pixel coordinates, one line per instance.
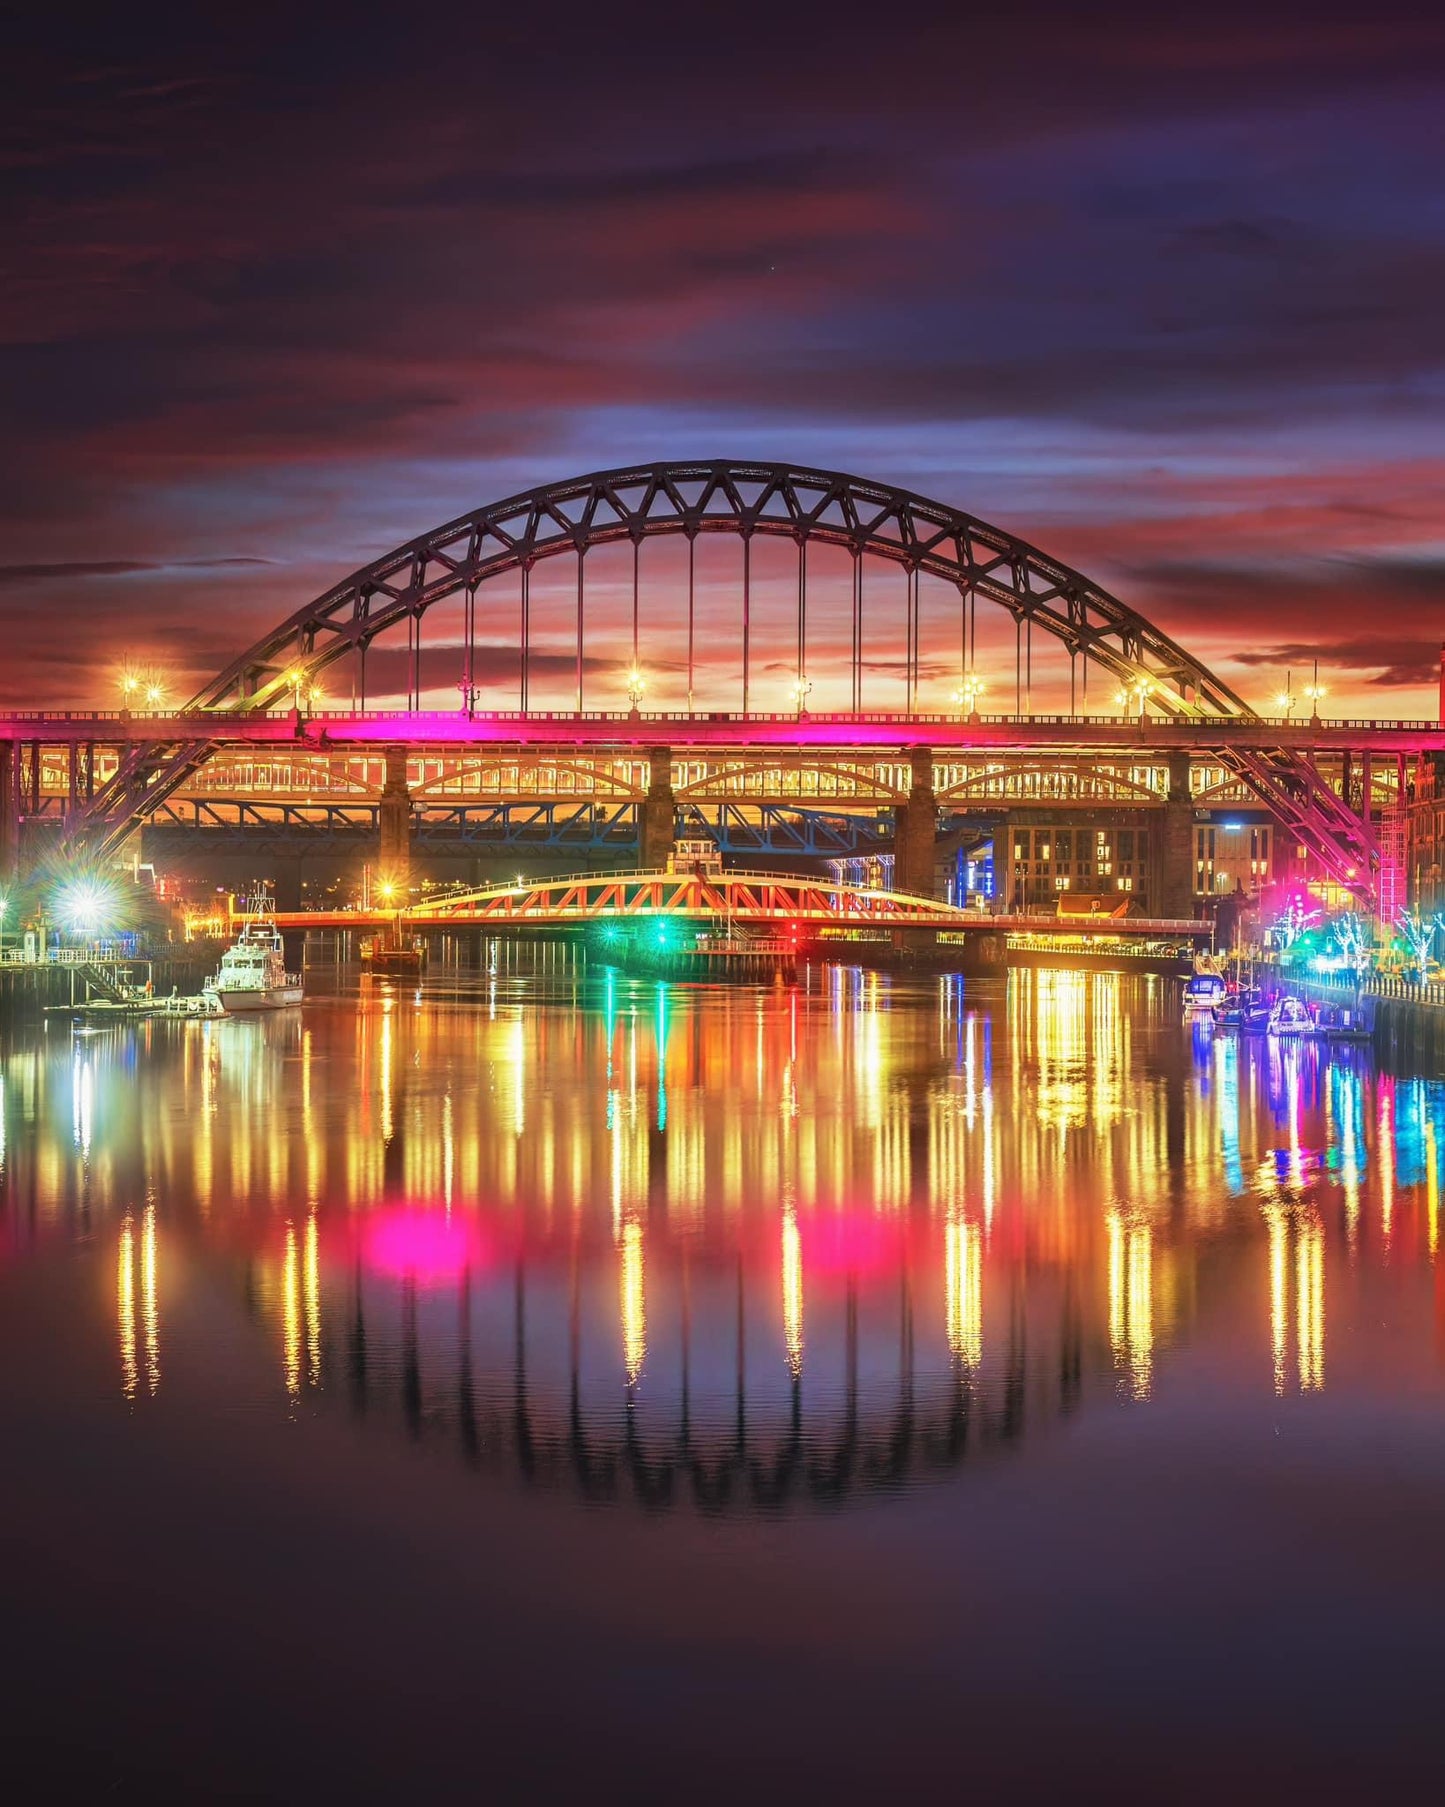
(1163, 293)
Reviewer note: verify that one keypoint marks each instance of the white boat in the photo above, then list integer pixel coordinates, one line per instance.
(253, 973)
(1289, 1017)
(1205, 990)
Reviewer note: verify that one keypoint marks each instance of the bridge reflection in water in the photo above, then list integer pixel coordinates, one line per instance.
(718, 1249)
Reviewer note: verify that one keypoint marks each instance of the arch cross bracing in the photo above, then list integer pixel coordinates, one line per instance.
(748, 500)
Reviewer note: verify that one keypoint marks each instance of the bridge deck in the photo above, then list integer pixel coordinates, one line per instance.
(816, 732)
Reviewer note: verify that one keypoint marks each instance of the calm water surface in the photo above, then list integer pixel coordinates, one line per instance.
(558, 1382)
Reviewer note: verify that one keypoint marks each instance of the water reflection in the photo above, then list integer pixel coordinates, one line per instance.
(729, 1247)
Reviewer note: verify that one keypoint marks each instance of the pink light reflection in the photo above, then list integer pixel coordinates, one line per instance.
(416, 1242)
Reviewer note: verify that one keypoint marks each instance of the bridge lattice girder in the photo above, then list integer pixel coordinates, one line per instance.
(748, 897)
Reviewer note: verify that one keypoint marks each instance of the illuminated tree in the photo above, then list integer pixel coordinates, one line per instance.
(1419, 931)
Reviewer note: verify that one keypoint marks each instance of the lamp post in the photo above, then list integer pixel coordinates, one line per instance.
(1134, 694)
(1314, 690)
(966, 696)
(1285, 701)
(800, 695)
(636, 685)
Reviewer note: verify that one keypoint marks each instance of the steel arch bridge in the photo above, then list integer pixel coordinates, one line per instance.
(807, 507)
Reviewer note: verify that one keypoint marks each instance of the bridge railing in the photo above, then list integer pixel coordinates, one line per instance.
(119, 718)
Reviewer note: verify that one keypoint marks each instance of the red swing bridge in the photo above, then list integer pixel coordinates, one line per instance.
(781, 658)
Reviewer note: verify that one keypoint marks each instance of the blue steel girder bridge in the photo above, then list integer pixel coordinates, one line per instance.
(808, 649)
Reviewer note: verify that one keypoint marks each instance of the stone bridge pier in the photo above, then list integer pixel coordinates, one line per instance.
(916, 830)
(657, 827)
(1176, 857)
(397, 822)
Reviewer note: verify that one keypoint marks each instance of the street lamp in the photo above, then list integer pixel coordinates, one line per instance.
(130, 684)
(636, 684)
(1134, 694)
(800, 695)
(1314, 691)
(966, 696)
(155, 694)
(1285, 701)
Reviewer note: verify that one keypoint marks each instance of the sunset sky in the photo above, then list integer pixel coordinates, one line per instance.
(1162, 291)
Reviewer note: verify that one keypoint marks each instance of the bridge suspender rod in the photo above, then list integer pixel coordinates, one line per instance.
(581, 601)
(526, 623)
(910, 668)
(470, 629)
(636, 557)
(1029, 665)
(802, 622)
(691, 577)
(857, 630)
(747, 607)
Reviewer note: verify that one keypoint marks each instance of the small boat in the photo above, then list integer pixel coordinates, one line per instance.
(253, 973)
(1204, 992)
(401, 959)
(1247, 1009)
(1290, 1018)
(1339, 1023)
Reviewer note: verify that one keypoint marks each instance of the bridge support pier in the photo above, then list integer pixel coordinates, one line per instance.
(1176, 856)
(915, 831)
(397, 826)
(657, 818)
(9, 811)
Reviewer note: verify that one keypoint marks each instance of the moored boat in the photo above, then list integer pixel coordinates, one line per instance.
(1290, 1018)
(1204, 991)
(253, 973)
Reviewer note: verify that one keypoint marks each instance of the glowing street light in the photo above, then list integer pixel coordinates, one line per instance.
(636, 685)
(1314, 691)
(130, 684)
(800, 694)
(966, 696)
(1285, 701)
(1135, 694)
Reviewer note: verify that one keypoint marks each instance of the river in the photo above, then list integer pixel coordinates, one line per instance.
(552, 1382)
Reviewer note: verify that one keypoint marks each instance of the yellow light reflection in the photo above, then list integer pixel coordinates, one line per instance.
(1310, 1304)
(125, 1307)
(312, 1289)
(150, 1308)
(963, 1274)
(634, 1303)
(1131, 1300)
(1432, 1187)
(291, 1315)
(793, 1291)
(1278, 1288)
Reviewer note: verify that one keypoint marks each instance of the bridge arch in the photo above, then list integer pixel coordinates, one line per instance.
(807, 506)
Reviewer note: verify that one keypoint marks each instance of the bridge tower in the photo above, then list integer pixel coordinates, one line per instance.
(915, 830)
(397, 824)
(658, 814)
(1176, 856)
(9, 810)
